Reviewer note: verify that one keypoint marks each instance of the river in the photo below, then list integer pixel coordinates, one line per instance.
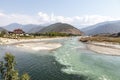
(72, 61)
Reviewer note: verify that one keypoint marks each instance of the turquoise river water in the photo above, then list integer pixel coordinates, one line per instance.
(72, 61)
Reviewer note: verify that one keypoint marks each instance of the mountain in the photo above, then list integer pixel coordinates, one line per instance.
(12, 26)
(61, 28)
(103, 28)
(2, 29)
(26, 28)
(32, 28)
(35, 29)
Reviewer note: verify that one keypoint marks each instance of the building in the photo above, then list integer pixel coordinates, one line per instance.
(18, 31)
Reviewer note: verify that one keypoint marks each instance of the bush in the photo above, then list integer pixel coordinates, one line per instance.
(7, 69)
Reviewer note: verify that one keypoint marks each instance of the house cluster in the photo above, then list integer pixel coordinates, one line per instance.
(17, 32)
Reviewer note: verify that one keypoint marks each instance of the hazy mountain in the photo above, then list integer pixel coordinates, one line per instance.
(25, 28)
(35, 29)
(61, 28)
(102, 28)
(32, 28)
(12, 26)
(2, 29)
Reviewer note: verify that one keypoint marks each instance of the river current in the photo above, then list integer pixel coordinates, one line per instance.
(72, 61)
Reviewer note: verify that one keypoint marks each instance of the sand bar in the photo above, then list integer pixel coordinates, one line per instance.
(32, 44)
(39, 46)
(105, 48)
(6, 41)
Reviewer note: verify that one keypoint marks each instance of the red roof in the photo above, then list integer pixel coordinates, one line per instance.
(18, 31)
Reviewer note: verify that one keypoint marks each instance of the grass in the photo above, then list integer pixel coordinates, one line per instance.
(101, 39)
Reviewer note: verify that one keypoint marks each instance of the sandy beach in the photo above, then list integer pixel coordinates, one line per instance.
(104, 48)
(32, 44)
(6, 41)
(39, 46)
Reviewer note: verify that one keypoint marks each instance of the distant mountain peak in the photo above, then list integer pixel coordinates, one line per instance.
(104, 27)
(61, 28)
(26, 27)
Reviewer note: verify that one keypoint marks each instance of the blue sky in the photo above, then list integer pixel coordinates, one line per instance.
(59, 10)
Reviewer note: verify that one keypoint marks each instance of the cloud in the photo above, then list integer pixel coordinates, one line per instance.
(44, 18)
(75, 20)
(6, 19)
(2, 15)
(93, 19)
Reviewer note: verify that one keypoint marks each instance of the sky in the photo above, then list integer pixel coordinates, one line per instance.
(74, 12)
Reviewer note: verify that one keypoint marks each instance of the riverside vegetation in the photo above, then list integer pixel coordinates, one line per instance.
(113, 38)
(101, 39)
(35, 35)
(8, 71)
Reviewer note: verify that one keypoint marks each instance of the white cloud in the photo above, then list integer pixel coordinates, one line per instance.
(92, 19)
(44, 18)
(2, 15)
(75, 20)
(6, 19)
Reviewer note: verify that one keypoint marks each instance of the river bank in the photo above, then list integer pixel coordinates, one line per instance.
(7, 41)
(39, 46)
(32, 44)
(104, 48)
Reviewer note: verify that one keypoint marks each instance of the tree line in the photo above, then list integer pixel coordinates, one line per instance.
(52, 34)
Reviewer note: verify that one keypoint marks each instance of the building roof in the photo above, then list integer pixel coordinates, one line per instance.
(18, 31)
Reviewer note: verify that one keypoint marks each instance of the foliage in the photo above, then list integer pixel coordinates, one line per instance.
(2, 33)
(52, 34)
(7, 69)
(101, 39)
(25, 77)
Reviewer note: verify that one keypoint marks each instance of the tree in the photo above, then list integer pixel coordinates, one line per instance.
(2, 33)
(8, 71)
(25, 77)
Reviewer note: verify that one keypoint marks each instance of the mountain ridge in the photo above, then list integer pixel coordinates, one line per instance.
(27, 28)
(61, 28)
(103, 27)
